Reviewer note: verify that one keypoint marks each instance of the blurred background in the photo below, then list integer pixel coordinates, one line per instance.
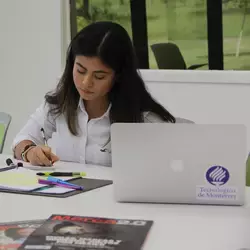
(200, 34)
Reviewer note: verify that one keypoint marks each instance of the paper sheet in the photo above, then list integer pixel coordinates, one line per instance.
(56, 190)
(19, 179)
(27, 180)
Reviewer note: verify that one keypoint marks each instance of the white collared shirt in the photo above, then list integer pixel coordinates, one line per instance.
(91, 146)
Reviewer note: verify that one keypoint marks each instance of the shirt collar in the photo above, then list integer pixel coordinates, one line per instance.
(82, 108)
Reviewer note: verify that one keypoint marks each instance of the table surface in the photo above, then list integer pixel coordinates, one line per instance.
(175, 227)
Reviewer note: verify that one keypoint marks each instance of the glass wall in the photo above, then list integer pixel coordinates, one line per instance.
(236, 34)
(108, 10)
(177, 30)
(180, 23)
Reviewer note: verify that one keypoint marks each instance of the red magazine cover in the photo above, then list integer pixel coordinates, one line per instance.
(13, 234)
(70, 232)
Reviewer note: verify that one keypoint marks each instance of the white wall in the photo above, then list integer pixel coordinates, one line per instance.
(31, 54)
(206, 97)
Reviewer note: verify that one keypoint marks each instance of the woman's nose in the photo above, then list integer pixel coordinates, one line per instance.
(87, 81)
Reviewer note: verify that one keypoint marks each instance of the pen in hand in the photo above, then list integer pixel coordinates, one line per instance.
(44, 138)
(45, 142)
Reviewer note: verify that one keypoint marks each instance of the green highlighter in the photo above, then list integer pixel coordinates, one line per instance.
(74, 174)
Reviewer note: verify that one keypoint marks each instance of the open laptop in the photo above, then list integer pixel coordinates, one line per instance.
(179, 163)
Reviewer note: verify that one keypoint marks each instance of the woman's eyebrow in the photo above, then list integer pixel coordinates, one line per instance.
(101, 71)
(80, 65)
(96, 71)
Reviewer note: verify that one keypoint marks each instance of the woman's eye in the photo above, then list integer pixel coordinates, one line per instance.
(81, 72)
(99, 77)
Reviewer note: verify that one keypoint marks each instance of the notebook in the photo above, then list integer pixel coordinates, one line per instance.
(23, 179)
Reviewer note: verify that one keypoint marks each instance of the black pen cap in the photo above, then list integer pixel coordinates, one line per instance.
(40, 174)
(9, 161)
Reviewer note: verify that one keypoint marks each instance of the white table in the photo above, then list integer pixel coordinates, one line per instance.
(176, 227)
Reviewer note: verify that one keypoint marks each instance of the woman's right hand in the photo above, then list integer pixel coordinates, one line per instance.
(41, 156)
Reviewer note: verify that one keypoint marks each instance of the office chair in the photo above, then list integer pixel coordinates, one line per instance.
(5, 120)
(168, 56)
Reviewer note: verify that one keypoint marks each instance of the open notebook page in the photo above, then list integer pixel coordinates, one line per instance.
(56, 190)
(26, 180)
(19, 179)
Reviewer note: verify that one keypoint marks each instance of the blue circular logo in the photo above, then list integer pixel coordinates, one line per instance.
(217, 175)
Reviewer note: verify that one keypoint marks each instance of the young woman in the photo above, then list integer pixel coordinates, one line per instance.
(100, 86)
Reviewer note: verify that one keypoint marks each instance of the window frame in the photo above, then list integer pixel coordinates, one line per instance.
(140, 33)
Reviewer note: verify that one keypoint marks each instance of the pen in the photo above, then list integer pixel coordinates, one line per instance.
(40, 181)
(62, 174)
(56, 180)
(45, 140)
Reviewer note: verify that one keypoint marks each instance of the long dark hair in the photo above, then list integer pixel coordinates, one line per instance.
(111, 43)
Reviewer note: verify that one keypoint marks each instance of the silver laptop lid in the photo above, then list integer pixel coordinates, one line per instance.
(183, 163)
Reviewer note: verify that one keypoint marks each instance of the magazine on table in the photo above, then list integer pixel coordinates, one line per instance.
(13, 234)
(61, 232)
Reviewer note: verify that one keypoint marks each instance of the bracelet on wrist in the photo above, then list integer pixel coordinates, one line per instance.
(26, 149)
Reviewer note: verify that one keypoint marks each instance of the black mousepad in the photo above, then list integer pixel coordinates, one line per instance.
(88, 184)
